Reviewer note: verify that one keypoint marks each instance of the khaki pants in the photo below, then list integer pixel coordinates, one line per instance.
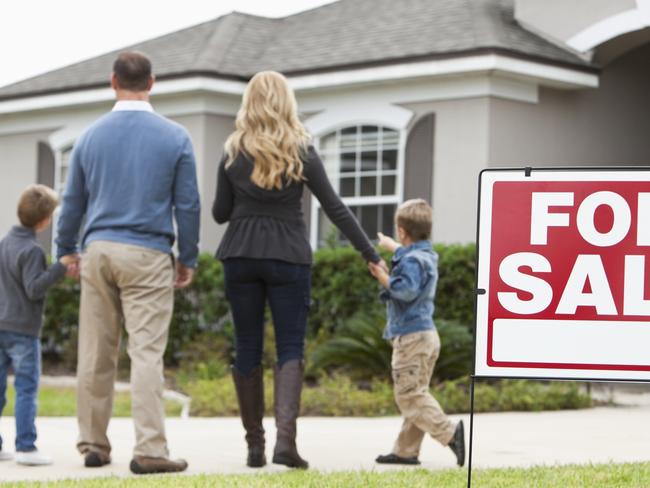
(414, 357)
(130, 286)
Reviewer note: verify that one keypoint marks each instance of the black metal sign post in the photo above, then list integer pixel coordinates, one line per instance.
(471, 431)
(480, 291)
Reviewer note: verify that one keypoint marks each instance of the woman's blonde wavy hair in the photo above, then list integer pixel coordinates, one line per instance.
(268, 130)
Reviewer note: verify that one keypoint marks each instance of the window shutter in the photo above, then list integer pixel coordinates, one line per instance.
(418, 164)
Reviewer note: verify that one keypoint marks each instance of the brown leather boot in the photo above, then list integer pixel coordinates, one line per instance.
(250, 395)
(288, 386)
(151, 465)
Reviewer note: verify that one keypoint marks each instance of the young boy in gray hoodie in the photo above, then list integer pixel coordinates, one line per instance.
(25, 278)
(409, 291)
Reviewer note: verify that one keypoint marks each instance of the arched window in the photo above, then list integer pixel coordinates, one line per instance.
(364, 165)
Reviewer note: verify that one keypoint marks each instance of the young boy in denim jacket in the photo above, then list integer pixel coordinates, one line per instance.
(25, 278)
(409, 291)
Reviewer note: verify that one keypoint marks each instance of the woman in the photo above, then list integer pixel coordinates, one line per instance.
(266, 254)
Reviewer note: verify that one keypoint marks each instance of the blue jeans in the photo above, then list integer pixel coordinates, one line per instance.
(286, 286)
(23, 354)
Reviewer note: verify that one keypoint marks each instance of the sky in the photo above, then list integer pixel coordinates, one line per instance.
(37, 36)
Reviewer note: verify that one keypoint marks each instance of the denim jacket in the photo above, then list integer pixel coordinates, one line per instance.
(411, 289)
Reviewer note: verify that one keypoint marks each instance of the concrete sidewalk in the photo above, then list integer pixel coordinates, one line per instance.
(216, 445)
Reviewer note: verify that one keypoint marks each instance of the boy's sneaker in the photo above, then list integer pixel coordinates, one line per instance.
(33, 458)
(395, 459)
(457, 443)
(6, 456)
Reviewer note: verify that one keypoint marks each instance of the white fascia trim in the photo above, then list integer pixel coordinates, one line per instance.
(616, 25)
(542, 73)
(489, 63)
(96, 95)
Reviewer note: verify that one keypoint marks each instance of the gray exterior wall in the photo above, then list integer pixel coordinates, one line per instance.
(604, 126)
(459, 154)
(19, 168)
(208, 133)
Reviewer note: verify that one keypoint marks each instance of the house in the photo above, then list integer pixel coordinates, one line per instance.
(404, 98)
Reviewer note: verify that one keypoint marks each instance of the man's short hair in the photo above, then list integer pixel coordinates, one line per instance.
(132, 70)
(37, 203)
(416, 218)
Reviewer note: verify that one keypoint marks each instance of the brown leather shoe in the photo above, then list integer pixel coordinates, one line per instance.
(94, 459)
(150, 465)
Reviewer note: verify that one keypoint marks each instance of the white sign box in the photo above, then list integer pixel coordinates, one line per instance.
(564, 260)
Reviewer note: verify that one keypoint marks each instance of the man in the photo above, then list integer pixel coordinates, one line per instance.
(131, 174)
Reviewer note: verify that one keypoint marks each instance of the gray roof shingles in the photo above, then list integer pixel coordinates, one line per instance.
(335, 36)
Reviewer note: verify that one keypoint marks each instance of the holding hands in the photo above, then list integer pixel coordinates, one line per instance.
(73, 264)
(380, 270)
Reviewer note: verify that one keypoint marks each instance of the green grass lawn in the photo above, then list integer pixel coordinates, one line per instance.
(62, 402)
(635, 475)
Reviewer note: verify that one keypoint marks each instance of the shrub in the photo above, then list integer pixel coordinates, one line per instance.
(456, 283)
(511, 395)
(359, 349)
(338, 395)
(342, 289)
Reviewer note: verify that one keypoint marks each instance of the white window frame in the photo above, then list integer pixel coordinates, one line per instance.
(395, 199)
(59, 186)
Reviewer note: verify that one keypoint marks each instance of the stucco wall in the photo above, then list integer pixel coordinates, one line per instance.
(208, 133)
(18, 168)
(604, 126)
(460, 153)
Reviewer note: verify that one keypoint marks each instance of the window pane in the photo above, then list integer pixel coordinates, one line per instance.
(388, 185)
(390, 138)
(347, 187)
(348, 162)
(368, 186)
(369, 161)
(369, 220)
(331, 163)
(349, 139)
(389, 159)
(369, 137)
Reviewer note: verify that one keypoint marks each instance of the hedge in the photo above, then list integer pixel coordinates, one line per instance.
(340, 396)
(341, 288)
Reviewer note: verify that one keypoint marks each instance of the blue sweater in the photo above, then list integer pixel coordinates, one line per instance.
(131, 173)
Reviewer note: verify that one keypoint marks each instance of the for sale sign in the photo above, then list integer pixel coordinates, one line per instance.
(564, 260)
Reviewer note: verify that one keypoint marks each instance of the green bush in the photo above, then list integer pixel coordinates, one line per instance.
(511, 395)
(455, 292)
(338, 395)
(359, 349)
(342, 288)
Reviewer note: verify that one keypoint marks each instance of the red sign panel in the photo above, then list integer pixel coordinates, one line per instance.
(564, 258)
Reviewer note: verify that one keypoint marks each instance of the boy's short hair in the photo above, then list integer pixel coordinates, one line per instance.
(36, 204)
(416, 218)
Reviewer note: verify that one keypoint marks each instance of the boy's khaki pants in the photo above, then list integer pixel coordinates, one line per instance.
(130, 286)
(414, 357)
